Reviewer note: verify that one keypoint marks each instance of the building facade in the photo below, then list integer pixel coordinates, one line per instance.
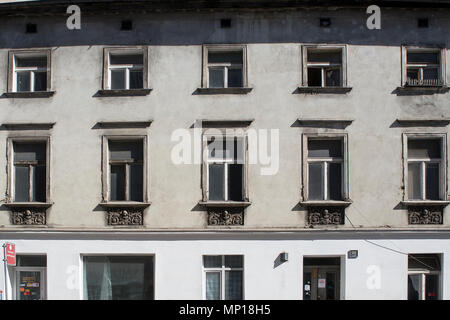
(226, 150)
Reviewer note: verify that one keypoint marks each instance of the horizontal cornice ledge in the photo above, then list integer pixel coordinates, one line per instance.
(325, 203)
(124, 204)
(123, 93)
(29, 204)
(35, 94)
(27, 126)
(225, 204)
(224, 122)
(122, 124)
(325, 90)
(423, 122)
(324, 122)
(418, 203)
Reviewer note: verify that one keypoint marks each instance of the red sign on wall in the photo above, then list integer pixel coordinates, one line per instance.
(10, 254)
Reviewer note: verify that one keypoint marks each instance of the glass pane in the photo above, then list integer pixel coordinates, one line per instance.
(118, 278)
(216, 78)
(126, 150)
(126, 59)
(31, 261)
(225, 57)
(431, 287)
(40, 81)
(324, 148)
(324, 56)
(29, 285)
(423, 57)
(39, 185)
(233, 285)
(424, 261)
(117, 183)
(21, 184)
(430, 74)
(212, 285)
(30, 151)
(136, 181)
(315, 181)
(216, 182)
(212, 261)
(432, 181)
(235, 182)
(335, 181)
(136, 79)
(314, 77)
(414, 288)
(412, 74)
(118, 79)
(234, 78)
(332, 77)
(23, 81)
(234, 261)
(331, 285)
(414, 181)
(424, 148)
(31, 62)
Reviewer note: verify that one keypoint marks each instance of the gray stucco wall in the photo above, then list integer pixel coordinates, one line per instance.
(274, 72)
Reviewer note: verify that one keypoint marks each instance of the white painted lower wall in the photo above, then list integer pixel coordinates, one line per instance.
(178, 261)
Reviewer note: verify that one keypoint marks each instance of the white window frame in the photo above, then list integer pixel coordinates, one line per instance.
(106, 166)
(225, 66)
(222, 270)
(325, 65)
(108, 67)
(11, 166)
(13, 70)
(343, 137)
(442, 164)
(442, 78)
(206, 161)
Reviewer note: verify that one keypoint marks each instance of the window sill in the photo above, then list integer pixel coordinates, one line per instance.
(326, 203)
(123, 93)
(125, 204)
(207, 91)
(36, 94)
(29, 204)
(425, 203)
(326, 90)
(223, 204)
(413, 90)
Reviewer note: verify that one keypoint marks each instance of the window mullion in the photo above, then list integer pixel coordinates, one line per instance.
(30, 182)
(225, 180)
(423, 182)
(225, 76)
(322, 71)
(127, 78)
(127, 182)
(325, 180)
(32, 81)
(223, 278)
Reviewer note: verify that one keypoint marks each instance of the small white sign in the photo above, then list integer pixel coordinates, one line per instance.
(321, 283)
(307, 287)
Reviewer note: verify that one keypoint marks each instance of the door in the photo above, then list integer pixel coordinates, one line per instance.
(321, 283)
(30, 283)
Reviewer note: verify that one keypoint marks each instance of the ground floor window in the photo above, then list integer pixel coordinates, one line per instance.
(30, 277)
(424, 276)
(223, 277)
(118, 277)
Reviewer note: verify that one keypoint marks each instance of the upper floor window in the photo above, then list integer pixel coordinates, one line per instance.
(425, 168)
(423, 66)
(223, 277)
(29, 170)
(126, 170)
(225, 168)
(326, 167)
(125, 68)
(324, 66)
(224, 66)
(29, 71)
